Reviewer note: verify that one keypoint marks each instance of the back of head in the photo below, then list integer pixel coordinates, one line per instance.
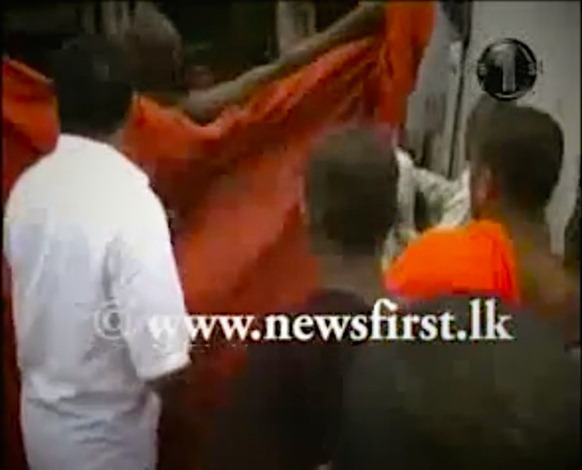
(483, 107)
(351, 191)
(451, 405)
(93, 86)
(516, 157)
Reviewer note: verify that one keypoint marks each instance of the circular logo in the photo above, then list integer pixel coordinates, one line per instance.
(507, 69)
(109, 324)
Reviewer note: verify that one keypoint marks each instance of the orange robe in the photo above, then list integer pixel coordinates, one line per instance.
(235, 182)
(475, 259)
(29, 129)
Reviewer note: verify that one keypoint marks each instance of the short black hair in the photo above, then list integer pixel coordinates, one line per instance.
(351, 190)
(93, 86)
(503, 405)
(523, 148)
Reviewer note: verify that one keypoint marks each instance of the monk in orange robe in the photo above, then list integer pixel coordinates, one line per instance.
(240, 173)
(515, 155)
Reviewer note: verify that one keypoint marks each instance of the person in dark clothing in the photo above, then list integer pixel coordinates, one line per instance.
(286, 406)
(455, 406)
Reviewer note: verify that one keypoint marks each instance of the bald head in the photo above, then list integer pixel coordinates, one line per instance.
(516, 157)
(484, 106)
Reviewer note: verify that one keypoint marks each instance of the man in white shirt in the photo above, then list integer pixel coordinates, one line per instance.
(448, 203)
(89, 248)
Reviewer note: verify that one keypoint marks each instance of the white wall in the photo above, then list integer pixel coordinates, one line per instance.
(552, 30)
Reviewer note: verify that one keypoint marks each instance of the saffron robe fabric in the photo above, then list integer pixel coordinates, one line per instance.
(234, 183)
(475, 259)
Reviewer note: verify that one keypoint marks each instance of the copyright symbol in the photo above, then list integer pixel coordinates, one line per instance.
(109, 324)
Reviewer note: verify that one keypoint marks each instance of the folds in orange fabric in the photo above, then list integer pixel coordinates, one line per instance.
(235, 182)
(477, 259)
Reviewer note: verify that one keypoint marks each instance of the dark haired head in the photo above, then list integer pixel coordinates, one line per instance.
(93, 86)
(351, 191)
(446, 405)
(516, 158)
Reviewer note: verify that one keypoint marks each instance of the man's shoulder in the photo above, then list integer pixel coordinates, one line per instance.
(24, 185)
(99, 187)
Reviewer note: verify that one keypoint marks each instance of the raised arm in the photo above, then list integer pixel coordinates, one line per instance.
(364, 20)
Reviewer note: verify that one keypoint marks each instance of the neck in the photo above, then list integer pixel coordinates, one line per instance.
(528, 230)
(545, 283)
(103, 137)
(358, 274)
(114, 140)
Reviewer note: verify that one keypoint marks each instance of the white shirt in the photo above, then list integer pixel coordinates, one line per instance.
(448, 203)
(456, 209)
(87, 239)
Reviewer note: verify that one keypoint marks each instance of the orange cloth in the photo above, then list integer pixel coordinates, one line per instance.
(241, 245)
(29, 129)
(409, 27)
(476, 259)
(29, 122)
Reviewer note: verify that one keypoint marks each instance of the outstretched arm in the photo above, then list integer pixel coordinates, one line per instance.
(436, 189)
(364, 20)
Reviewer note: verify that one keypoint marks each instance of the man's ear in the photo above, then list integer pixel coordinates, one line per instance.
(491, 185)
(481, 187)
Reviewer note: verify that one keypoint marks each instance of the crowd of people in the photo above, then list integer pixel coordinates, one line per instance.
(84, 228)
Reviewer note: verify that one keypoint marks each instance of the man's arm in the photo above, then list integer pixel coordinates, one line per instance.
(364, 20)
(146, 291)
(436, 189)
(457, 208)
